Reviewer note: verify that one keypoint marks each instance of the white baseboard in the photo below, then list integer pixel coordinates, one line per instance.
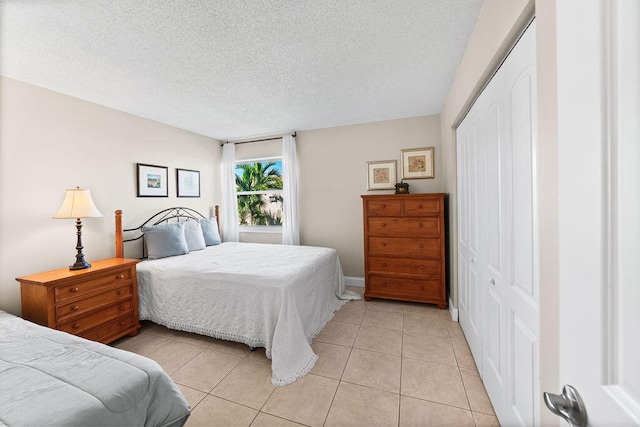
(453, 311)
(357, 282)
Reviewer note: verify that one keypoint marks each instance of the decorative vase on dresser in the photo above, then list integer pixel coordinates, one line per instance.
(98, 303)
(404, 247)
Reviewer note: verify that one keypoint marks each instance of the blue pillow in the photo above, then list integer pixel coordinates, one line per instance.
(165, 240)
(193, 235)
(210, 231)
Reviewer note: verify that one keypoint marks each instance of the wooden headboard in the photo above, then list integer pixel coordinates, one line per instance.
(164, 216)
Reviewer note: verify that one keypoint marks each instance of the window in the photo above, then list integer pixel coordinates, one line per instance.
(259, 191)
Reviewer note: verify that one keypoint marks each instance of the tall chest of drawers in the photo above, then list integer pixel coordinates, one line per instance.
(404, 247)
(99, 303)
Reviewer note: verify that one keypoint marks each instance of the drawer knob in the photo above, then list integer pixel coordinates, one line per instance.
(422, 287)
(383, 206)
(122, 323)
(383, 244)
(122, 308)
(384, 224)
(76, 326)
(384, 264)
(420, 225)
(421, 246)
(120, 276)
(121, 291)
(75, 308)
(384, 284)
(422, 267)
(74, 290)
(419, 206)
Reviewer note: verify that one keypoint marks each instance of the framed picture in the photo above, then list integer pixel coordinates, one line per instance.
(381, 175)
(188, 183)
(152, 180)
(417, 163)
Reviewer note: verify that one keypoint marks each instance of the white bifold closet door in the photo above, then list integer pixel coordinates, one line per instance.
(497, 236)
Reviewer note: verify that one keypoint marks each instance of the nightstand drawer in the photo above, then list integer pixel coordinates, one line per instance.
(421, 267)
(80, 289)
(83, 324)
(77, 308)
(115, 328)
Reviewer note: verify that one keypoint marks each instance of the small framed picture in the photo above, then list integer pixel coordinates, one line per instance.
(417, 163)
(152, 180)
(381, 175)
(188, 183)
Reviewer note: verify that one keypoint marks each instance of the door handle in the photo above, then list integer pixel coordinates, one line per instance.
(567, 405)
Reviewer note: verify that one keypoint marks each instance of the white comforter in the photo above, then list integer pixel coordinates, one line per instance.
(274, 296)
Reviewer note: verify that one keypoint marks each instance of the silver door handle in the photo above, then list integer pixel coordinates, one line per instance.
(567, 405)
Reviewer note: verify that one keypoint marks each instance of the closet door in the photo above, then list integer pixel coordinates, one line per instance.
(522, 289)
(470, 233)
(498, 293)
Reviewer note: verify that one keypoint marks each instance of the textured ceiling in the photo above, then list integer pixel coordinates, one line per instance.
(232, 69)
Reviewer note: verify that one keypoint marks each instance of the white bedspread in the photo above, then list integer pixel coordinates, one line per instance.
(51, 378)
(274, 296)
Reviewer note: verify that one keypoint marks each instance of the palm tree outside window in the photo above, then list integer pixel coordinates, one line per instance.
(259, 192)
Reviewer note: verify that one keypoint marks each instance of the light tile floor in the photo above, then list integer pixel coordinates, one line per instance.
(386, 363)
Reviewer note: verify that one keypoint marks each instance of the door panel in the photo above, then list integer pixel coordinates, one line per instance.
(469, 258)
(599, 206)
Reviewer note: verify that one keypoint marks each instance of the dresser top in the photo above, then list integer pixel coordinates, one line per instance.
(402, 196)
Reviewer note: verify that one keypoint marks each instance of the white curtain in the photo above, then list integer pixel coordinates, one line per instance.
(229, 221)
(290, 226)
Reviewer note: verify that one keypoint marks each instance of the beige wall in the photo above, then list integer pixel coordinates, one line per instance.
(50, 142)
(333, 176)
(333, 169)
(547, 179)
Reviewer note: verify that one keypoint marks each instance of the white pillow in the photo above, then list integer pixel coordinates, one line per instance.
(193, 235)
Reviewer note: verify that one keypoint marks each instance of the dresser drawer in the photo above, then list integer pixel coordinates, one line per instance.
(385, 226)
(80, 289)
(115, 328)
(383, 207)
(405, 247)
(83, 324)
(425, 289)
(76, 308)
(421, 207)
(422, 267)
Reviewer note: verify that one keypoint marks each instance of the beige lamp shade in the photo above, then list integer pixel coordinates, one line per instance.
(78, 204)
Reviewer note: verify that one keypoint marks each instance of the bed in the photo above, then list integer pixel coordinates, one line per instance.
(49, 377)
(274, 296)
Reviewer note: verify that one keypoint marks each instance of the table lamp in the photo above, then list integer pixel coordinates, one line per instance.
(78, 204)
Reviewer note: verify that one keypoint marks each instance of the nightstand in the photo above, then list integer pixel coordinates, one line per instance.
(98, 303)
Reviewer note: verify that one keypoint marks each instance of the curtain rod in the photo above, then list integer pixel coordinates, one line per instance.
(259, 140)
